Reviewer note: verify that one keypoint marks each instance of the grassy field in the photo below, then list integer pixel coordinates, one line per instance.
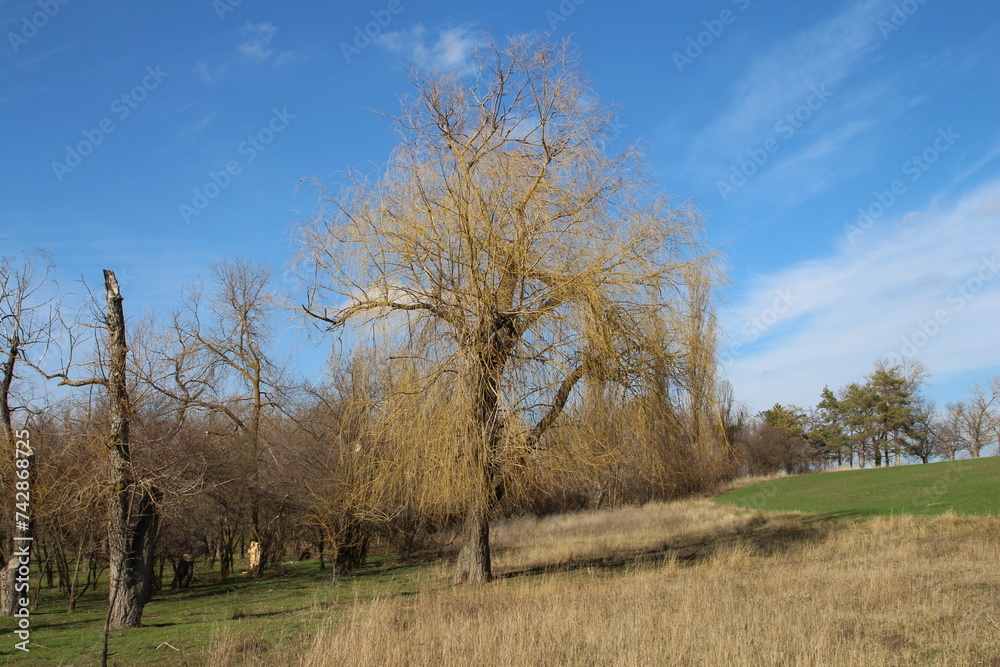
(964, 487)
(181, 627)
(688, 583)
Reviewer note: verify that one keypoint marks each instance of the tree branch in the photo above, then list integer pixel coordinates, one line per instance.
(562, 396)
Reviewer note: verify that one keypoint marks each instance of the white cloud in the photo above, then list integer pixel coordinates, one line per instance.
(450, 49)
(925, 285)
(256, 46)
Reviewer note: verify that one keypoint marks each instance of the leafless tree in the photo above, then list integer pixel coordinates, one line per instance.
(974, 422)
(132, 497)
(219, 364)
(25, 323)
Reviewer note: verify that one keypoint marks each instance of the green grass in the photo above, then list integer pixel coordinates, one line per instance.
(251, 614)
(964, 487)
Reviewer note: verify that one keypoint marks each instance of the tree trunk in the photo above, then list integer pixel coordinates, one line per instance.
(131, 540)
(321, 544)
(132, 515)
(8, 598)
(18, 551)
(16, 573)
(473, 564)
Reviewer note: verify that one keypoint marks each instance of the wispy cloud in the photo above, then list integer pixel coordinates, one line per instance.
(259, 36)
(255, 48)
(809, 100)
(924, 286)
(780, 80)
(194, 129)
(445, 49)
(209, 73)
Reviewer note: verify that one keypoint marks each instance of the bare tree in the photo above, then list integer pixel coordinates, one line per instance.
(132, 512)
(220, 364)
(132, 498)
(25, 322)
(506, 245)
(974, 421)
(995, 389)
(69, 497)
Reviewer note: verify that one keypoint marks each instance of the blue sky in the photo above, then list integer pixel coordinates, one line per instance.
(846, 155)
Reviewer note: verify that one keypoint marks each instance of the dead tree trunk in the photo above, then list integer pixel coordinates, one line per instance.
(19, 552)
(14, 576)
(132, 515)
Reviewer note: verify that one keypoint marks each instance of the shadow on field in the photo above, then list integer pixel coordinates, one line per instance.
(766, 536)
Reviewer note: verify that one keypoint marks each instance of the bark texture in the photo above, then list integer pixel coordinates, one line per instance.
(132, 511)
(19, 554)
(473, 563)
(18, 549)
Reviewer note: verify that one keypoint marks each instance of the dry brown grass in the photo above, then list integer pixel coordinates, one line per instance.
(625, 535)
(697, 584)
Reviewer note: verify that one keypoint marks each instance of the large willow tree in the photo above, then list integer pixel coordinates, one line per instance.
(514, 252)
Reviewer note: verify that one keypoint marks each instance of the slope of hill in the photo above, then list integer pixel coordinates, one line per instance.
(965, 487)
(685, 583)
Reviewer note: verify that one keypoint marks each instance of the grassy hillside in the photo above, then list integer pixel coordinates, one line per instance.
(964, 487)
(687, 583)
(695, 582)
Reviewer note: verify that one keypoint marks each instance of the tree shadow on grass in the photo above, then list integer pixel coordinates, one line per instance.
(768, 538)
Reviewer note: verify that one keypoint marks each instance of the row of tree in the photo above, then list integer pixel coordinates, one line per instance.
(884, 420)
